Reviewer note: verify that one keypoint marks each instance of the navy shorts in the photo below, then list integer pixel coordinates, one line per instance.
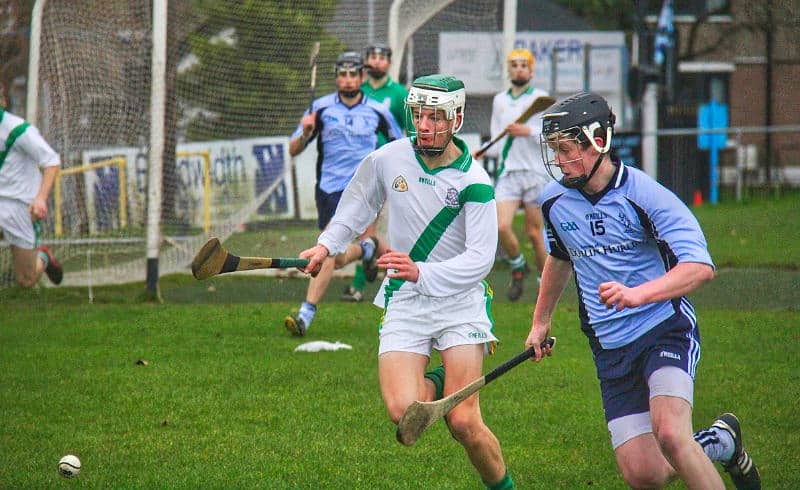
(326, 206)
(623, 372)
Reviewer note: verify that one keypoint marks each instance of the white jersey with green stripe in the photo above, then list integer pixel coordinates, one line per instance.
(515, 152)
(22, 152)
(445, 219)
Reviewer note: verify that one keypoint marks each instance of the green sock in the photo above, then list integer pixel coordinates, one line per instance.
(437, 376)
(359, 279)
(517, 263)
(506, 483)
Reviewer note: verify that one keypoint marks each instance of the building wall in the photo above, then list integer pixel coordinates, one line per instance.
(740, 40)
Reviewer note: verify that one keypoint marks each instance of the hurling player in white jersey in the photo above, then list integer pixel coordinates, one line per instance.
(443, 234)
(521, 176)
(28, 168)
(636, 251)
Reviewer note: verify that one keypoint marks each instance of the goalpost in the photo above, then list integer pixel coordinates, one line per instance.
(194, 102)
(195, 99)
(407, 16)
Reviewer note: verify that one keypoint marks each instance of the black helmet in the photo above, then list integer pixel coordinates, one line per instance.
(581, 117)
(580, 114)
(349, 59)
(378, 48)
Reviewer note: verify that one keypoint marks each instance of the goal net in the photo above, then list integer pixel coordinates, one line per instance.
(237, 83)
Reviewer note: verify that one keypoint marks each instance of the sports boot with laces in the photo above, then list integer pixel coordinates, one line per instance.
(53, 270)
(517, 282)
(741, 467)
(295, 325)
(352, 294)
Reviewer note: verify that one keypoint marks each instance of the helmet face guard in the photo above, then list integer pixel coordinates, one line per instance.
(446, 97)
(378, 48)
(568, 129)
(348, 64)
(348, 61)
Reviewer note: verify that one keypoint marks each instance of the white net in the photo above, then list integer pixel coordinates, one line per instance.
(422, 22)
(237, 83)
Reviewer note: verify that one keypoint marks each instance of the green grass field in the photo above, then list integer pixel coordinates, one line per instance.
(225, 402)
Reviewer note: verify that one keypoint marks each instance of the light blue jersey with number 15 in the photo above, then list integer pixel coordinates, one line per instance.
(632, 232)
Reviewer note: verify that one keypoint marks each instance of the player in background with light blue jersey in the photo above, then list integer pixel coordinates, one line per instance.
(443, 232)
(636, 251)
(28, 169)
(380, 87)
(346, 125)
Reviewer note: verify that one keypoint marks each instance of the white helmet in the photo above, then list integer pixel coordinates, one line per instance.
(440, 93)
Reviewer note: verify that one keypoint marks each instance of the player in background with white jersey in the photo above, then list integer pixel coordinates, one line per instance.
(636, 251)
(521, 176)
(28, 169)
(443, 232)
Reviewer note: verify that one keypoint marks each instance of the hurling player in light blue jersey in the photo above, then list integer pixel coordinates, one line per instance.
(636, 251)
(346, 125)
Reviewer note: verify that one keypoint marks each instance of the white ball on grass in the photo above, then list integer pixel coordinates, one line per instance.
(69, 466)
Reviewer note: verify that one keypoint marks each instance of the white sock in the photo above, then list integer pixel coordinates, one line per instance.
(717, 443)
(367, 249)
(307, 312)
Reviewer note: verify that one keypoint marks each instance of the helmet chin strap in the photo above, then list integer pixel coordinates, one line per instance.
(427, 151)
(430, 151)
(349, 93)
(581, 181)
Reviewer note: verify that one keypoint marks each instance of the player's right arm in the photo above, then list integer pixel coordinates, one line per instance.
(555, 275)
(303, 134)
(42, 154)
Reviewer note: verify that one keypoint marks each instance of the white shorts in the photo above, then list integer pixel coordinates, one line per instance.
(421, 323)
(520, 185)
(16, 224)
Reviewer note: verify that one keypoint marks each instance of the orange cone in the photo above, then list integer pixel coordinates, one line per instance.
(698, 198)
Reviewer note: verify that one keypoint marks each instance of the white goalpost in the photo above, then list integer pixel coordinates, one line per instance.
(158, 99)
(172, 117)
(407, 16)
(99, 90)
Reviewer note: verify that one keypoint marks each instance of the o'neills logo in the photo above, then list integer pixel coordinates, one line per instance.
(400, 184)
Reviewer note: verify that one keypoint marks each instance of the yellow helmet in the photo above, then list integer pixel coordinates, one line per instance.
(521, 54)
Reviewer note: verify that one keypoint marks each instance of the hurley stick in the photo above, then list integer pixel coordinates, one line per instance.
(213, 259)
(421, 415)
(538, 105)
